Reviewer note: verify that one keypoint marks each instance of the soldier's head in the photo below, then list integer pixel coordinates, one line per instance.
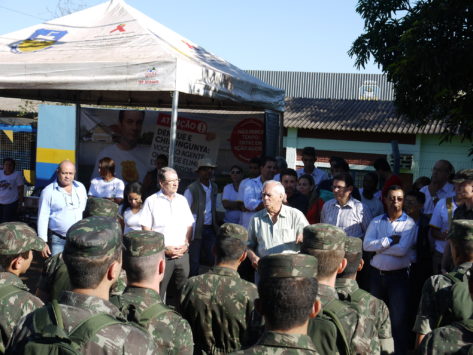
(100, 207)
(354, 256)
(230, 246)
(287, 290)
(143, 257)
(460, 237)
(327, 243)
(93, 252)
(17, 241)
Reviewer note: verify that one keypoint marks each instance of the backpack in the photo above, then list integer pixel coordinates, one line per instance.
(6, 291)
(458, 306)
(49, 336)
(150, 313)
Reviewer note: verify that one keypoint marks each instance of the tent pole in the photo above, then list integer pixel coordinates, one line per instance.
(172, 138)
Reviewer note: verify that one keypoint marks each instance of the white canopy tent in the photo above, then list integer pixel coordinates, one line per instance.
(112, 54)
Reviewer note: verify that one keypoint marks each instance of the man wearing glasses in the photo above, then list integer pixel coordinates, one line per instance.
(61, 204)
(343, 210)
(167, 212)
(392, 237)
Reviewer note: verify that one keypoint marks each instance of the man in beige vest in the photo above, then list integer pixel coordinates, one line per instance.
(202, 196)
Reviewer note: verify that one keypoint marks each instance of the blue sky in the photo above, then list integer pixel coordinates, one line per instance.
(301, 35)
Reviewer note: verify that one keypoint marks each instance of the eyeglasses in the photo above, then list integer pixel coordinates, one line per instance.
(172, 181)
(394, 198)
(235, 172)
(338, 187)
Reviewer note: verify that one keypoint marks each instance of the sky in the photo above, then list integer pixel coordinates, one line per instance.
(301, 35)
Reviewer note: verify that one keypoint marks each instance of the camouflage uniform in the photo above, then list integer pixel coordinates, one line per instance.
(219, 304)
(437, 290)
(328, 237)
(170, 331)
(15, 238)
(93, 237)
(451, 339)
(100, 207)
(284, 266)
(375, 323)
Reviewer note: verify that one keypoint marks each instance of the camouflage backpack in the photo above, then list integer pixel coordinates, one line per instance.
(144, 317)
(459, 306)
(50, 337)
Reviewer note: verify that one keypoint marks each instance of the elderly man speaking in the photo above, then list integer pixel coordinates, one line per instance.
(277, 228)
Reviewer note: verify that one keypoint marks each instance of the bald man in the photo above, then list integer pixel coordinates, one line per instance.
(60, 206)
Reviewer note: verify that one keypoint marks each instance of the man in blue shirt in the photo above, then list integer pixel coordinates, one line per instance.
(61, 204)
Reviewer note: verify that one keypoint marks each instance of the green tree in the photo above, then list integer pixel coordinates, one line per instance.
(426, 49)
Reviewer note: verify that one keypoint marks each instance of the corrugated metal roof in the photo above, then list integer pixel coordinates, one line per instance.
(351, 115)
(348, 86)
(17, 105)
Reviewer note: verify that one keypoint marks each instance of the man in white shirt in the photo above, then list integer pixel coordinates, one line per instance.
(439, 186)
(309, 157)
(344, 211)
(392, 236)
(131, 159)
(202, 198)
(167, 212)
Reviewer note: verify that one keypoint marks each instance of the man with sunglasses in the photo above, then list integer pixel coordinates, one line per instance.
(392, 236)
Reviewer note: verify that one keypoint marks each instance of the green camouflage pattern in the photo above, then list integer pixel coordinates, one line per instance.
(113, 339)
(101, 207)
(14, 307)
(54, 280)
(451, 339)
(143, 243)
(462, 176)
(219, 307)
(323, 236)
(232, 230)
(461, 229)
(434, 293)
(273, 343)
(350, 317)
(373, 333)
(287, 265)
(93, 237)
(170, 331)
(353, 245)
(18, 237)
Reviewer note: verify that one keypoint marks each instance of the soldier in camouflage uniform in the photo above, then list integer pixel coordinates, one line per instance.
(287, 299)
(93, 258)
(54, 278)
(437, 293)
(451, 339)
(377, 325)
(17, 241)
(219, 304)
(144, 262)
(327, 243)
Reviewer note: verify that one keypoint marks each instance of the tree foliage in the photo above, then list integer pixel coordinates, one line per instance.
(426, 49)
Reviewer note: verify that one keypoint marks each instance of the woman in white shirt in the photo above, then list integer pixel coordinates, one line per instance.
(107, 185)
(230, 196)
(11, 191)
(132, 207)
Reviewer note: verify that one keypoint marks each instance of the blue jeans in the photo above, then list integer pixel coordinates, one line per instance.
(393, 288)
(56, 244)
(200, 250)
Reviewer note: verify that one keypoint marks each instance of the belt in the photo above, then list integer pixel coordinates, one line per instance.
(50, 232)
(392, 272)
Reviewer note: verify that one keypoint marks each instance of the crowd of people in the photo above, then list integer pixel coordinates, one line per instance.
(301, 262)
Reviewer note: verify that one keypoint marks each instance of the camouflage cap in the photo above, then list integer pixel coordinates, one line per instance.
(101, 207)
(353, 245)
(232, 230)
(18, 237)
(287, 265)
(323, 236)
(143, 243)
(461, 229)
(463, 175)
(93, 237)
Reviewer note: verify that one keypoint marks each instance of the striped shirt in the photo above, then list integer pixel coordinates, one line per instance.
(353, 217)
